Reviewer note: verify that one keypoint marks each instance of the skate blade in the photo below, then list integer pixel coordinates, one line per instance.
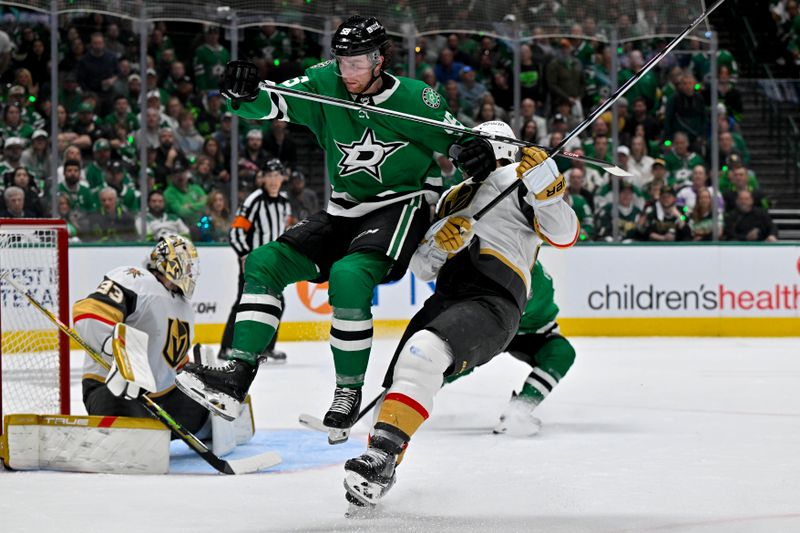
(518, 428)
(337, 435)
(361, 512)
(362, 490)
(218, 403)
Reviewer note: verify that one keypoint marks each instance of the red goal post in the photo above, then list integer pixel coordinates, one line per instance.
(34, 354)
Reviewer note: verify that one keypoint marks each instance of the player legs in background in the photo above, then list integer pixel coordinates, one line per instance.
(550, 355)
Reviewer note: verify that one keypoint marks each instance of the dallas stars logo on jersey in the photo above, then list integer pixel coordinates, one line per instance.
(367, 154)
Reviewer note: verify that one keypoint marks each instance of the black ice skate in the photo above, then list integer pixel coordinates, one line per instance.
(342, 414)
(370, 476)
(272, 357)
(221, 390)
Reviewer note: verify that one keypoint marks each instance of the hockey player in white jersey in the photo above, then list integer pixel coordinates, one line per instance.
(155, 299)
(483, 277)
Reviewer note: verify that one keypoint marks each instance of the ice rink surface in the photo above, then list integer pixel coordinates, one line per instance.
(644, 434)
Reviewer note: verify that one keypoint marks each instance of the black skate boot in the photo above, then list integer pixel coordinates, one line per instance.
(272, 357)
(342, 414)
(221, 390)
(370, 476)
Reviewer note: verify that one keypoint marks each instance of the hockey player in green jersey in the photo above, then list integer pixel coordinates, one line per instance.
(539, 344)
(380, 170)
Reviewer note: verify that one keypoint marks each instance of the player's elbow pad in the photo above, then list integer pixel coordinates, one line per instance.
(558, 225)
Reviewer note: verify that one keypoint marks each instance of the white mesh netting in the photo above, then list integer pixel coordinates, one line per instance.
(30, 342)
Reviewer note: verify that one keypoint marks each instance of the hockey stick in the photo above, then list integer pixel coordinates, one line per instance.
(558, 150)
(236, 466)
(355, 106)
(312, 422)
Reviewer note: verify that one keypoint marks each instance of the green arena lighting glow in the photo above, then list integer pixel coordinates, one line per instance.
(696, 86)
(667, 143)
(130, 139)
(32, 99)
(277, 62)
(724, 168)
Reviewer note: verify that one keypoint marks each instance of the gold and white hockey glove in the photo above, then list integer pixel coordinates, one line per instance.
(541, 176)
(452, 234)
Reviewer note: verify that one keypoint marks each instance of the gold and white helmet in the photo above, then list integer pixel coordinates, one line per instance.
(175, 257)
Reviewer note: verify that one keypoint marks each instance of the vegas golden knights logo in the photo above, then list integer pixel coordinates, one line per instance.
(458, 198)
(177, 341)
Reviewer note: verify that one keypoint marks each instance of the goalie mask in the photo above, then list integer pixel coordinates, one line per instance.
(502, 150)
(175, 258)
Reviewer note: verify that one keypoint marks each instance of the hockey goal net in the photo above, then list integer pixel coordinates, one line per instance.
(34, 355)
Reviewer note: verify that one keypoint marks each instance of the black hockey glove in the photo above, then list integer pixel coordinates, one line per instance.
(475, 156)
(240, 81)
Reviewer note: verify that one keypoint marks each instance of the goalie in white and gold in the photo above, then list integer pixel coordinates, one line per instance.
(154, 301)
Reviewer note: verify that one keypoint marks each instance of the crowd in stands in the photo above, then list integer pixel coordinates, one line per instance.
(187, 134)
(786, 14)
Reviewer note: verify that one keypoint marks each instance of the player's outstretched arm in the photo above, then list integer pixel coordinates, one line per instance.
(554, 221)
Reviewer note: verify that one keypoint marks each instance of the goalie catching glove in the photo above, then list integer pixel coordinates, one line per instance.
(541, 176)
(240, 81)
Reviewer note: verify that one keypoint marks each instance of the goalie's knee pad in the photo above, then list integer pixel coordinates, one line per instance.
(420, 367)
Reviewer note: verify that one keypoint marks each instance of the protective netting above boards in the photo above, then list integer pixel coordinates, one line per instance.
(593, 18)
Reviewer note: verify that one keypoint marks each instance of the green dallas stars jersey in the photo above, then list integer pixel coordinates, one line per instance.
(541, 310)
(373, 160)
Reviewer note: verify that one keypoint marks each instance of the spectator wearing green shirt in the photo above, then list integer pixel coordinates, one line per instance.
(112, 223)
(36, 157)
(81, 197)
(121, 114)
(13, 126)
(680, 161)
(158, 222)
(12, 156)
(98, 170)
(210, 60)
(184, 199)
(628, 221)
(127, 196)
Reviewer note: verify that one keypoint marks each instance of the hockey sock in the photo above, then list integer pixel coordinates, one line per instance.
(269, 269)
(350, 289)
(553, 361)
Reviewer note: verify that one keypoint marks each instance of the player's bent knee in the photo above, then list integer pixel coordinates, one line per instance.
(351, 284)
(558, 356)
(266, 266)
(421, 365)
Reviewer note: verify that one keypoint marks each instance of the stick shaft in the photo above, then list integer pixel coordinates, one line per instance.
(355, 106)
(608, 103)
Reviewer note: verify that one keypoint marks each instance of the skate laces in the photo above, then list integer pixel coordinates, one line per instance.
(376, 456)
(343, 400)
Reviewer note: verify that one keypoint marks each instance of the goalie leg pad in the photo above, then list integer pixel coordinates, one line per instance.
(93, 444)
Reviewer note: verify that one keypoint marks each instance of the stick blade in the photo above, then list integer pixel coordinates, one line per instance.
(617, 171)
(250, 465)
(312, 422)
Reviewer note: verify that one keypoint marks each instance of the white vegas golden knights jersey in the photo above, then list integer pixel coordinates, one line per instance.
(506, 238)
(134, 296)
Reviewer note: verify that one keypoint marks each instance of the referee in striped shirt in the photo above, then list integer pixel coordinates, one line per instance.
(262, 217)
